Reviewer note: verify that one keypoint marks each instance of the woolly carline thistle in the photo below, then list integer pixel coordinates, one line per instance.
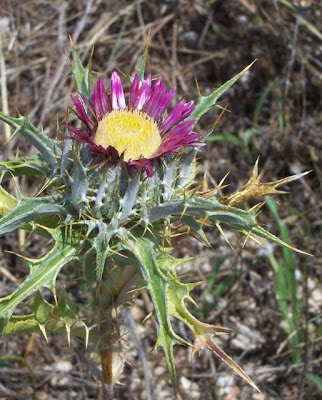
(121, 192)
(138, 131)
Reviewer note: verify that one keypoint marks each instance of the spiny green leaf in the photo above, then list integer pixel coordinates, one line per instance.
(200, 207)
(42, 309)
(205, 103)
(101, 246)
(157, 283)
(49, 148)
(258, 230)
(80, 185)
(43, 272)
(33, 165)
(29, 210)
(46, 318)
(130, 197)
(177, 293)
(187, 170)
(193, 224)
(197, 207)
(7, 202)
(167, 263)
(29, 324)
(82, 76)
(141, 69)
(66, 309)
(19, 324)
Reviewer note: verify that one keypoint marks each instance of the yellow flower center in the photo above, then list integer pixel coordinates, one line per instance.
(132, 133)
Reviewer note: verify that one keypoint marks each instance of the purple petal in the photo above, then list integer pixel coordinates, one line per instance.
(82, 114)
(139, 92)
(100, 101)
(165, 103)
(178, 114)
(158, 100)
(142, 163)
(179, 137)
(117, 94)
(81, 136)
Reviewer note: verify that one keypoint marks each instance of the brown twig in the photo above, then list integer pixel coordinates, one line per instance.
(150, 384)
(63, 60)
(4, 91)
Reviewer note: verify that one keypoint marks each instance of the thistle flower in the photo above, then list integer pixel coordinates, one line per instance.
(139, 130)
(120, 225)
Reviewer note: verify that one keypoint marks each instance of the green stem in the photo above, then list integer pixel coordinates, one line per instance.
(115, 291)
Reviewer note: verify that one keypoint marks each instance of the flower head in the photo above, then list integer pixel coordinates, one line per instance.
(139, 130)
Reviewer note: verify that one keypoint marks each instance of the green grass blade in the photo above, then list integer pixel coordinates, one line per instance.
(225, 137)
(286, 284)
(317, 380)
(261, 101)
(120, 34)
(288, 255)
(28, 366)
(310, 27)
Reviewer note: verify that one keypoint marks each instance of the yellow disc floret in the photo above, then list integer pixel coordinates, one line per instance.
(132, 133)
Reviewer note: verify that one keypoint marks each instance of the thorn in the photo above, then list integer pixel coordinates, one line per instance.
(221, 329)
(55, 296)
(147, 40)
(224, 109)
(249, 235)
(146, 318)
(43, 331)
(256, 240)
(255, 169)
(86, 335)
(184, 209)
(72, 44)
(23, 257)
(223, 180)
(68, 334)
(211, 345)
(258, 206)
(89, 64)
(205, 182)
(192, 301)
(198, 88)
(192, 285)
(223, 234)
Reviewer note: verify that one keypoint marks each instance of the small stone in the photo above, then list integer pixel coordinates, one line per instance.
(159, 371)
(191, 38)
(63, 366)
(225, 384)
(190, 388)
